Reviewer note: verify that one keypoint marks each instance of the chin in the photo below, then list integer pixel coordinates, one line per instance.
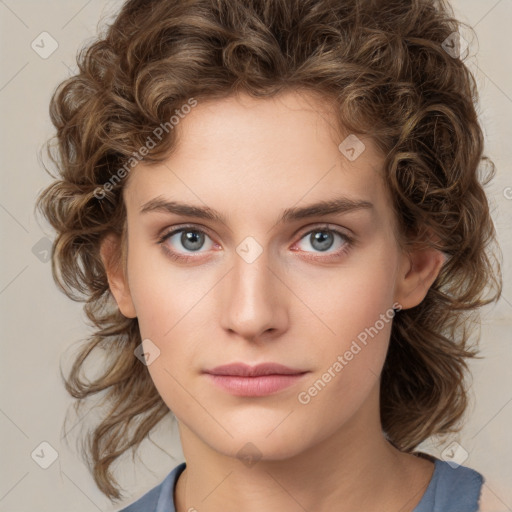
(251, 447)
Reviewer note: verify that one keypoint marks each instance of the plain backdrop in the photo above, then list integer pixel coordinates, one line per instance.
(38, 323)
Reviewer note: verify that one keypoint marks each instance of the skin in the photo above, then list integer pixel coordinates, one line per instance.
(249, 159)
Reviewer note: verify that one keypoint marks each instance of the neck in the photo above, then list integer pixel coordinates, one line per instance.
(354, 468)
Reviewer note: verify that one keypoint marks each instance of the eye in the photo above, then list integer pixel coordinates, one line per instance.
(190, 239)
(323, 238)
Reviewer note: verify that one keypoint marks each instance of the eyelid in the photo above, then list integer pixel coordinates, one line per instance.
(167, 232)
(300, 233)
(327, 227)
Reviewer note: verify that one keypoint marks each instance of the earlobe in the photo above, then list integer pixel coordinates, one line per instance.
(417, 273)
(110, 251)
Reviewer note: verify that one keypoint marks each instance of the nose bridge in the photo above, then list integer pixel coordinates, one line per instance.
(252, 301)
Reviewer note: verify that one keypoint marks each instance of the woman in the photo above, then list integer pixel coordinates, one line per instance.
(274, 214)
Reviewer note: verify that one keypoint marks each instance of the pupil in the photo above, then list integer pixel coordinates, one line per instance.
(322, 240)
(192, 240)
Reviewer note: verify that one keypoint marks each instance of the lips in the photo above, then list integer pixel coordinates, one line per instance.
(244, 370)
(252, 381)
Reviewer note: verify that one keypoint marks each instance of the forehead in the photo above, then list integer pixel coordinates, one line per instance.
(247, 154)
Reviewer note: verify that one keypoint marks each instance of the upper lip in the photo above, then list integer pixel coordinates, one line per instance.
(244, 370)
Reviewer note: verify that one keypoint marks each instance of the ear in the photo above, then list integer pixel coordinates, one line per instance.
(417, 272)
(110, 252)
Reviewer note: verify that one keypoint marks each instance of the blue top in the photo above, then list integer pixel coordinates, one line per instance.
(450, 490)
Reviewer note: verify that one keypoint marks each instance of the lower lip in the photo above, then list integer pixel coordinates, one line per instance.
(255, 386)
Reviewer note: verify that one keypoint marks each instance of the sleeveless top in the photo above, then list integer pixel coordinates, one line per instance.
(450, 490)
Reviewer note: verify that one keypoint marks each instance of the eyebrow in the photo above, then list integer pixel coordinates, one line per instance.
(327, 207)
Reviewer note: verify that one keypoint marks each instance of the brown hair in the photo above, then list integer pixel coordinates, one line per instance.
(384, 66)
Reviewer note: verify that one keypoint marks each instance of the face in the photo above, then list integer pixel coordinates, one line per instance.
(262, 279)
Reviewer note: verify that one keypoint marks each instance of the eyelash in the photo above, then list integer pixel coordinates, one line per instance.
(349, 242)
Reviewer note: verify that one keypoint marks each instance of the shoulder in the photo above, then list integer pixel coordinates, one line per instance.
(451, 473)
(161, 497)
(453, 488)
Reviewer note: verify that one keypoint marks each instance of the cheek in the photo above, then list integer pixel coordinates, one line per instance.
(355, 308)
(170, 307)
(365, 303)
(351, 361)
(352, 299)
(162, 295)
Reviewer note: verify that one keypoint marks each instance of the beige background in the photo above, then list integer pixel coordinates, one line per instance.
(38, 323)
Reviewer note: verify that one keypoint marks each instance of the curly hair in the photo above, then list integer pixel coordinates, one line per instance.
(384, 66)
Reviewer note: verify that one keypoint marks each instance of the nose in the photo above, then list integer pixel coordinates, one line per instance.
(254, 300)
